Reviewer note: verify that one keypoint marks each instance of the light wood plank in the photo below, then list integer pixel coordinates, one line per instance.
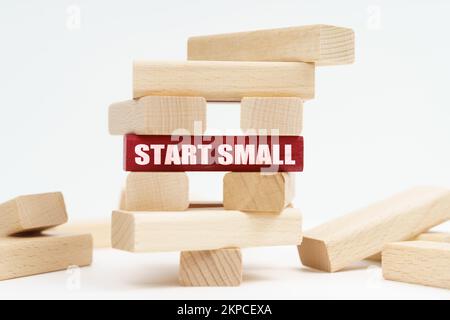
(419, 262)
(213, 268)
(32, 213)
(224, 80)
(427, 236)
(100, 230)
(30, 255)
(257, 192)
(322, 44)
(203, 229)
(356, 236)
(156, 191)
(158, 116)
(272, 116)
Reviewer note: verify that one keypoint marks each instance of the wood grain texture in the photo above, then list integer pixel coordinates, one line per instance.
(212, 268)
(32, 213)
(30, 255)
(272, 116)
(321, 44)
(356, 236)
(427, 236)
(203, 229)
(156, 191)
(419, 262)
(257, 192)
(100, 230)
(158, 116)
(224, 80)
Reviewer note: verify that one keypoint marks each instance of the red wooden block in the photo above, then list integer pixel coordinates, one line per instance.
(213, 153)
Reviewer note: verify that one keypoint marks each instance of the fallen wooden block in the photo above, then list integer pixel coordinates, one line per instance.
(157, 191)
(419, 262)
(427, 236)
(223, 80)
(321, 44)
(32, 213)
(213, 153)
(203, 229)
(214, 268)
(30, 255)
(274, 116)
(100, 230)
(356, 236)
(257, 192)
(158, 116)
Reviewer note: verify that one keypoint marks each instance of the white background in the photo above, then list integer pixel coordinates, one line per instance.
(375, 128)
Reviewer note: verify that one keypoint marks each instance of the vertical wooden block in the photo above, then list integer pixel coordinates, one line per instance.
(31, 255)
(32, 213)
(157, 191)
(268, 114)
(419, 262)
(257, 192)
(215, 268)
(321, 44)
(361, 234)
(158, 116)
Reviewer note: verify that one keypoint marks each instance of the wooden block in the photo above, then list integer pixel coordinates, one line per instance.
(32, 213)
(214, 268)
(31, 255)
(158, 116)
(224, 80)
(356, 236)
(427, 236)
(419, 262)
(213, 153)
(257, 192)
(157, 191)
(100, 230)
(274, 116)
(321, 44)
(203, 229)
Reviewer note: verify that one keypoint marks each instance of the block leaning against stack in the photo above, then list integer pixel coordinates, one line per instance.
(256, 209)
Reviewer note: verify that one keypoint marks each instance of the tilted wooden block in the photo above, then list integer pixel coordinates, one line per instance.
(213, 268)
(224, 80)
(158, 116)
(32, 213)
(203, 229)
(31, 255)
(257, 192)
(157, 191)
(419, 262)
(322, 44)
(427, 236)
(275, 116)
(336, 244)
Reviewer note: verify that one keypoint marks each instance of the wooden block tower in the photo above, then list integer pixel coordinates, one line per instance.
(271, 73)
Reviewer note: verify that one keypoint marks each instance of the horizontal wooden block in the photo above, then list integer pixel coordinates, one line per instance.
(32, 213)
(213, 268)
(419, 262)
(158, 116)
(100, 230)
(203, 229)
(321, 44)
(213, 153)
(31, 255)
(157, 191)
(356, 236)
(224, 80)
(272, 116)
(257, 192)
(427, 236)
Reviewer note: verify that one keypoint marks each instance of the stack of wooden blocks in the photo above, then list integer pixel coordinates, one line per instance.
(26, 248)
(271, 72)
